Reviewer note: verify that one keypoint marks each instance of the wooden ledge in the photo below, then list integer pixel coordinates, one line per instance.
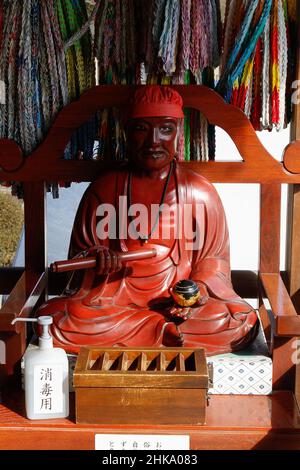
(287, 320)
(233, 423)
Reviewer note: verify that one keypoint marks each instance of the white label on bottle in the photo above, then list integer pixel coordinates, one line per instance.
(48, 389)
(141, 442)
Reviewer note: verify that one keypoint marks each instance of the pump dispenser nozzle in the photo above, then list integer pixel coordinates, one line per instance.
(45, 340)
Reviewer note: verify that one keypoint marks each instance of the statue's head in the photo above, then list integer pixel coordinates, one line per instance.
(152, 126)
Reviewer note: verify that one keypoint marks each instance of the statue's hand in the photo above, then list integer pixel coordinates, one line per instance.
(204, 295)
(177, 312)
(108, 261)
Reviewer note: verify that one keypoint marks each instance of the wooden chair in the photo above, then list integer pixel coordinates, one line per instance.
(27, 288)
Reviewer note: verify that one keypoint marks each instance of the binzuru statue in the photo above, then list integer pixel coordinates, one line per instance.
(175, 213)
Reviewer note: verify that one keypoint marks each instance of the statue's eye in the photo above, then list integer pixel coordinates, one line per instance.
(140, 128)
(166, 129)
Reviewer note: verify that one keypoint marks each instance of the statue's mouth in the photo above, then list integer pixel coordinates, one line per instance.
(155, 154)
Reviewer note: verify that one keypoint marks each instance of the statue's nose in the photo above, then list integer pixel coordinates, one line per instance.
(154, 135)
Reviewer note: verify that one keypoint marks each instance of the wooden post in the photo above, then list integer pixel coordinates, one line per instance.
(35, 258)
(35, 226)
(283, 367)
(293, 225)
(293, 218)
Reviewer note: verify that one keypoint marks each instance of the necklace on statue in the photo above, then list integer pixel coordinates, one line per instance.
(145, 238)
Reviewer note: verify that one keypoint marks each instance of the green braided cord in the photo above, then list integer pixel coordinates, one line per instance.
(69, 54)
(71, 28)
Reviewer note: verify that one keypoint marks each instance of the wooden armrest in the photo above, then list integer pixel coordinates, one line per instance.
(287, 321)
(22, 299)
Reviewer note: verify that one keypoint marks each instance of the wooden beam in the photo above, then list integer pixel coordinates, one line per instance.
(287, 325)
(270, 206)
(287, 322)
(215, 172)
(293, 224)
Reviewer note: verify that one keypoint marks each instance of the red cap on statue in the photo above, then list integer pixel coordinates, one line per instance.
(154, 101)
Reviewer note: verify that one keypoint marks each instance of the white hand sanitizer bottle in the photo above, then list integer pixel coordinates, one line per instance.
(46, 376)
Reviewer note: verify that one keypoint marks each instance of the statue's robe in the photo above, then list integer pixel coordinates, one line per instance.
(128, 308)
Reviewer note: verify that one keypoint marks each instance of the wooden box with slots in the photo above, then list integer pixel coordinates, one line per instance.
(141, 386)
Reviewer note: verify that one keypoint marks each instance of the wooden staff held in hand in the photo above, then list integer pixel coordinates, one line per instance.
(105, 261)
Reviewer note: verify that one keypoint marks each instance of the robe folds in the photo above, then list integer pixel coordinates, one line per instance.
(130, 308)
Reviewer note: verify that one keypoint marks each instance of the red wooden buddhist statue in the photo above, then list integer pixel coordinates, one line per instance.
(130, 304)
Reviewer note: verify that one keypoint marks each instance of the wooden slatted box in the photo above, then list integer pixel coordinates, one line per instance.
(141, 386)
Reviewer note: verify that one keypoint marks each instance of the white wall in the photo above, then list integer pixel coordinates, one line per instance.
(241, 202)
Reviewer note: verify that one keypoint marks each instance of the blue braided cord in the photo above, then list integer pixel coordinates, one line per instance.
(251, 47)
(242, 34)
(229, 76)
(169, 37)
(159, 8)
(163, 41)
(238, 44)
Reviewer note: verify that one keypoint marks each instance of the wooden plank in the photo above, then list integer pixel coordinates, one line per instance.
(215, 172)
(293, 245)
(122, 361)
(266, 323)
(22, 300)
(277, 294)
(142, 362)
(140, 406)
(287, 322)
(283, 364)
(270, 206)
(161, 362)
(180, 363)
(232, 423)
(293, 223)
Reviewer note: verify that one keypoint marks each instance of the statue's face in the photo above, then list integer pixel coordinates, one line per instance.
(152, 142)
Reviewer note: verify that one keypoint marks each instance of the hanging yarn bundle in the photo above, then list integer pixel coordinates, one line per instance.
(39, 76)
(115, 47)
(187, 34)
(186, 50)
(256, 70)
(32, 67)
(47, 60)
(72, 16)
(164, 42)
(115, 42)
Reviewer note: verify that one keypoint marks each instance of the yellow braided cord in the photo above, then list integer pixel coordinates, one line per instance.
(247, 72)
